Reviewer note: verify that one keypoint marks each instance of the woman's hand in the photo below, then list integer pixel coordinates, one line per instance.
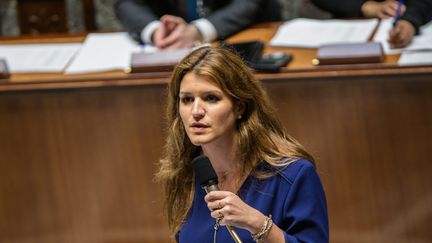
(231, 210)
(382, 10)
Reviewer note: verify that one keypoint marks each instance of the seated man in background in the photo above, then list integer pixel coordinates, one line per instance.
(182, 24)
(413, 14)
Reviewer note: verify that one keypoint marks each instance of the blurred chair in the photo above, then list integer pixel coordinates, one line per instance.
(292, 9)
(51, 16)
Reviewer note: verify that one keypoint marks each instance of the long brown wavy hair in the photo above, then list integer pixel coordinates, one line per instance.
(261, 139)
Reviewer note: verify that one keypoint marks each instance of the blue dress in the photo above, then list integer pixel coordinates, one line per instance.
(294, 197)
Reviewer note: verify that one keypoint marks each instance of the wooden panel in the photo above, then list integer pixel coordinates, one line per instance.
(42, 16)
(78, 166)
(50, 16)
(371, 139)
(89, 15)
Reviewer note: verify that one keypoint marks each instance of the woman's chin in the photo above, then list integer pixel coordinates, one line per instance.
(199, 141)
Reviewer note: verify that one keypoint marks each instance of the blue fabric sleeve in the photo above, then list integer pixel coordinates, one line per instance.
(306, 208)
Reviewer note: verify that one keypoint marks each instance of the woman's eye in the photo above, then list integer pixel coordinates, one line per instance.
(212, 98)
(186, 100)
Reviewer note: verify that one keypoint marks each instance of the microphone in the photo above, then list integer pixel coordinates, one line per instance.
(207, 178)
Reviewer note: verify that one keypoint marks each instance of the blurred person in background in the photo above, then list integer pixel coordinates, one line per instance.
(412, 15)
(181, 24)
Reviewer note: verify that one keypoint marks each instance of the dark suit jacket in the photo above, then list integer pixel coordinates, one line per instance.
(227, 16)
(418, 12)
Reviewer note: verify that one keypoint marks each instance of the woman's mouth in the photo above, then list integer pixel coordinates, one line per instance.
(198, 127)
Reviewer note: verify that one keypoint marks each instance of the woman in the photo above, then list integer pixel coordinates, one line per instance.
(269, 190)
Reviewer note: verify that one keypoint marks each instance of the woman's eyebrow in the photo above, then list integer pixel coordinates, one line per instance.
(205, 92)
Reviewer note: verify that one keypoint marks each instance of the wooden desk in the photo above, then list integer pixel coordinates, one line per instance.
(301, 67)
(78, 153)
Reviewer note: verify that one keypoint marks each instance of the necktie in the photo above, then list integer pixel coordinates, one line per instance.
(191, 9)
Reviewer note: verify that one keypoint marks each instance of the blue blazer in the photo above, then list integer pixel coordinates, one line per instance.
(294, 197)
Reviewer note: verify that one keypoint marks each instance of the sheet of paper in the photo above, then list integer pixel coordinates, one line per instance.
(381, 35)
(423, 41)
(311, 33)
(419, 42)
(31, 58)
(415, 58)
(104, 52)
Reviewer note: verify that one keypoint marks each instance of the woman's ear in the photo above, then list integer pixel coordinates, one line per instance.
(240, 108)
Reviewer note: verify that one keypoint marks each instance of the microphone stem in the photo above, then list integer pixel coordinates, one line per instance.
(214, 187)
(233, 234)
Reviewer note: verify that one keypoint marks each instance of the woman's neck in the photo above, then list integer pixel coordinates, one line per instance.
(224, 159)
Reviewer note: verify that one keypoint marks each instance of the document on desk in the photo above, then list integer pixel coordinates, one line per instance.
(419, 42)
(104, 52)
(311, 33)
(33, 58)
(415, 58)
(423, 41)
(419, 52)
(382, 35)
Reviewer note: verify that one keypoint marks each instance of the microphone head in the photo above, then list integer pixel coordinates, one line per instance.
(204, 172)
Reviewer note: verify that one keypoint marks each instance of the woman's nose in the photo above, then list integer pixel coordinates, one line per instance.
(198, 110)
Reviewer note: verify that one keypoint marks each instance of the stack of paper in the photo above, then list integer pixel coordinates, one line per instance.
(420, 42)
(104, 52)
(29, 58)
(420, 50)
(382, 35)
(311, 33)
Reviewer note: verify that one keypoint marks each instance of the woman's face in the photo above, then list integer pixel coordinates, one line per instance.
(208, 114)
